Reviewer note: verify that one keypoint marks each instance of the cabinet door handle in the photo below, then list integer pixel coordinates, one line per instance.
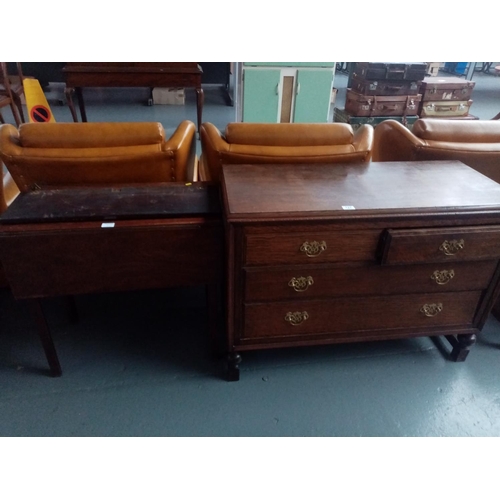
(452, 247)
(314, 248)
(301, 284)
(296, 318)
(442, 277)
(278, 88)
(298, 89)
(431, 310)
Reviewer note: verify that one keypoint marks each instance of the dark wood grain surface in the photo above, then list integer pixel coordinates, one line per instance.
(117, 203)
(273, 191)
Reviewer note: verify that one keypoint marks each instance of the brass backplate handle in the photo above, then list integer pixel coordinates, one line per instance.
(313, 248)
(296, 318)
(452, 247)
(431, 309)
(301, 284)
(442, 277)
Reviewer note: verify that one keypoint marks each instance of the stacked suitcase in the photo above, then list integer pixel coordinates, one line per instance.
(379, 91)
(446, 97)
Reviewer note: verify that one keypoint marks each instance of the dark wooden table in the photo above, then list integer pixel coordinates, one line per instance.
(168, 74)
(65, 242)
(321, 254)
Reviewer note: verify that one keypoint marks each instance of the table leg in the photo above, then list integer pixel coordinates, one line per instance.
(200, 99)
(35, 306)
(68, 91)
(79, 93)
(461, 344)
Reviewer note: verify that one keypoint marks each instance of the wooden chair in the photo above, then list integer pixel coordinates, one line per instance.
(17, 89)
(7, 96)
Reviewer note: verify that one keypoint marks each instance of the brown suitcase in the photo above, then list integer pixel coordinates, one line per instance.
(452, 88)
(444, 109)
(385, 87)
(372, 105)
(389, 70)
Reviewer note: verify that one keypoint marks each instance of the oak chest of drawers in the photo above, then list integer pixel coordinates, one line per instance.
(321, 254)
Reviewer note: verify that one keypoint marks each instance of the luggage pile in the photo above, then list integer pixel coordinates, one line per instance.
(446, 97)
(378, 91)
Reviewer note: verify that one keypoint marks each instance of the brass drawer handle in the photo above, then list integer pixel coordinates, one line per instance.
(452, 247)
(442, 277)
(301, 284)
(296, 318)
(431, 309)
(314, 248)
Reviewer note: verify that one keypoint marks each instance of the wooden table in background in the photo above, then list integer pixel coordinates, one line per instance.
(168, 74)
(65, 242)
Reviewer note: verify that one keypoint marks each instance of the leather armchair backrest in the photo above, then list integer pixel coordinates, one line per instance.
(70, 154)
(457, 131)
(289, 134)
(90, 135)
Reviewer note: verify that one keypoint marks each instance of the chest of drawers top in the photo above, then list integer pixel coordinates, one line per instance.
(277, 193)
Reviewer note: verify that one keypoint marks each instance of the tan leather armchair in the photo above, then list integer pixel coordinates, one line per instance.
(282, 143)
(473, 142)
(74, 154)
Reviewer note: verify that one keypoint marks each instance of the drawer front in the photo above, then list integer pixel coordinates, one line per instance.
(440, 245)
(354, 314)
(323, 281)
(311, 247)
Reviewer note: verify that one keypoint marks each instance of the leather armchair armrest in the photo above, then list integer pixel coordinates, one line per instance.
(363, 140)
(182, 146)
(212, 142)
(9, 141)
(392, 141)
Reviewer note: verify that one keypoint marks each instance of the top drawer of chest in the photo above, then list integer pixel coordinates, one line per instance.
(402, 246)
(311, 247)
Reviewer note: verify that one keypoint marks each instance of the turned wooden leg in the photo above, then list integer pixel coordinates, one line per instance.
(68, 91)
(233, 369)
(45, 336)
(461, 345)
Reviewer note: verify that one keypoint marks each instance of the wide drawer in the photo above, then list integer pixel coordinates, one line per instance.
(324, 281)
(311, 247)
(354, 314)
(402, 246)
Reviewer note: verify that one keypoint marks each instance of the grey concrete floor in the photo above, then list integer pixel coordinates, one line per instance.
(138, 364)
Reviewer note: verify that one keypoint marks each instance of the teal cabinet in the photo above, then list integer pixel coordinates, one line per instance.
(287, 92)
(261, 95)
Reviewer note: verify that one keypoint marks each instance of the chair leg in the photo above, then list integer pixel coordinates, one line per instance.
(15, 113)
(19, 104)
